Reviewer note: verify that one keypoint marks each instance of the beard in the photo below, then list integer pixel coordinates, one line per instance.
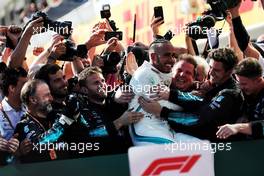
(45, 107)
(59, 95)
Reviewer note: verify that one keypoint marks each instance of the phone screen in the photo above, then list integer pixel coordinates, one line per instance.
(158, 12)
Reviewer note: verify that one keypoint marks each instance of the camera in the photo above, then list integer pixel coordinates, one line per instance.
(169, 35)
(106, 13)
(140, 53)
(63, 28)
(198, 29)
(71, 51)
(110, 62)
(219, 7)
(227, 3)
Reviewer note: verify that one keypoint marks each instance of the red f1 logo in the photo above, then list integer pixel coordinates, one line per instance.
(183, 163)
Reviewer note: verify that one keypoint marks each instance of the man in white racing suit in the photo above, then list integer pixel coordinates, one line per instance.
(148, 78)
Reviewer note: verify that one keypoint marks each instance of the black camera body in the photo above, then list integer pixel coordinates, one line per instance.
(197, 29)
(106, 13)
(71, 51)
(140, 53)
(63, 28)
(169, 35)
(227, 3)
(219, 7)
(110, 62)
(117, 34)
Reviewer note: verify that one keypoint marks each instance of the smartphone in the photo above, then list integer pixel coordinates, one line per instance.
(118, 35)
(158, 12)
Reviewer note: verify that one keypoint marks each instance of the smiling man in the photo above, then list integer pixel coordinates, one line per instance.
(52, 75)
(185, 73)
(221, 104)
(251, 82)
(147, 78)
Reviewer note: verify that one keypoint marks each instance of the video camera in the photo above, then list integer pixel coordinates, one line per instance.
(169, 35)
(196, 29)
(106, 13)
(63, 28)
(208, 19)
(110, 62)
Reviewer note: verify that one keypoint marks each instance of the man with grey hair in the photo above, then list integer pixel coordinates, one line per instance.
(35, 129)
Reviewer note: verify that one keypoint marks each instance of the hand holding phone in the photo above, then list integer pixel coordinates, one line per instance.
(109, 35)
(158, 12)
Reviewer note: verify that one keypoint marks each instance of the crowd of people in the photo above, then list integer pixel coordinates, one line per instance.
(154, 94)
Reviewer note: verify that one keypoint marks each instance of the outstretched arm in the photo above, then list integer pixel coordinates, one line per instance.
(17, 57)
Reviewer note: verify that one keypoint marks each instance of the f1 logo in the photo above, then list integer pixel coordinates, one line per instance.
(183, 163)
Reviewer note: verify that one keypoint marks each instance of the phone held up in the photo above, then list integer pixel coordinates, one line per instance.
(158, 12)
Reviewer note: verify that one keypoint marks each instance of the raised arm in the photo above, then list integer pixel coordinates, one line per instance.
(17, 57)
(241, 34)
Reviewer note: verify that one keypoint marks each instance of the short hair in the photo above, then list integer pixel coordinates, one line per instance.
(10, 77)
(202, 62)
(226, 56)
(188, 58)
(46, 70)
(156, 43)
(29, 89)
(87, 72)
(249, 67)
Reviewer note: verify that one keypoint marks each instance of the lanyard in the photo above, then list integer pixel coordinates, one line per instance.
(7, 118)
